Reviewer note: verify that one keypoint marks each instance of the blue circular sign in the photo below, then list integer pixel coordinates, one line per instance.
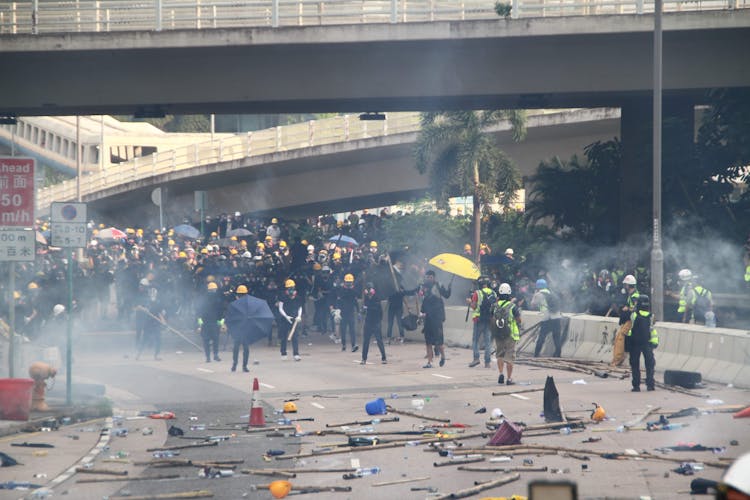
(69, 212)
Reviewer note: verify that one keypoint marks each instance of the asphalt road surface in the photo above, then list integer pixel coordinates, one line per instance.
(331, 387)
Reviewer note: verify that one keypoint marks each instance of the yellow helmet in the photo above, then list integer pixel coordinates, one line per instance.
(233, 251)
(159, 238)
(317, 267)
(282, 244)
(349, 278)
(101, 226)
(33, 286)
(269, 238)
(373, 244)
(336, 256)
(95, 232)
(290, 407)
(170, 232)
(170, 243)
(16, 294)
(339, 223)
(280, 488)
(212, 286)
(204, 251)
(214, 233)
(243, 243)
(274, 221)
(130, 230)
(261, 245)
(242, 289)
(182, 255)
(233, 238)
(139, 231)
(210, 278)
(304, 242)
(289, 284)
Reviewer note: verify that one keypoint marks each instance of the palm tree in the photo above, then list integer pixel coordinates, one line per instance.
(458, 152)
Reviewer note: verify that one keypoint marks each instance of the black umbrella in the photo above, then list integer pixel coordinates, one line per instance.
(239, 232)
(249, 319)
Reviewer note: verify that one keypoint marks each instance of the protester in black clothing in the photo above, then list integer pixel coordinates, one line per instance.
(396, 304)
(210, 320)
(240, 339)
(433, 312)
(347, 303)
(642, 339)
(290, 308)
(373, 322)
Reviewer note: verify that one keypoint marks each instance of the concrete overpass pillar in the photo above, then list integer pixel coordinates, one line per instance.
(678, 135)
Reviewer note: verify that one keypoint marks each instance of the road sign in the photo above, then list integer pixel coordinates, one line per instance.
(68, 225)
(68, 212)
(17, 244)
(16, 192)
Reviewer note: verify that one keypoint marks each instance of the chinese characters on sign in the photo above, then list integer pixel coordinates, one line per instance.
(16, 192)
(16, 244)
(68, 224)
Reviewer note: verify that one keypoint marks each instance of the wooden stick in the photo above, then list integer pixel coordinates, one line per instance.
(184, 446)
(267, 472)
(114, 479)
(111, 472)
(638, 420)
(416, 415)
(169, 496)
(178, 462)
(508, 393)
(307, 489)
(365, 422)
(401, 481)
(473, 468)
(480, 487)
(271, 429)
(321, 470)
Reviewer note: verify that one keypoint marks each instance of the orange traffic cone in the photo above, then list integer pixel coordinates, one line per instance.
(257, 419)
(742, 413)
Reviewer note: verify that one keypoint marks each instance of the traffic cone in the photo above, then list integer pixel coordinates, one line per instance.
(257, 419)
(742, 413)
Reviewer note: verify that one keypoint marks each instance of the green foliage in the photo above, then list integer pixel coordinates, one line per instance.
(175, 123)
(580, 196)
(511, 229)
(503, 9)
(52, 177)
(425, 233)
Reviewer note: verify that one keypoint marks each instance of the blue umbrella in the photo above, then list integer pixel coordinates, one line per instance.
(249, 319)
(343, 239)
(187, 231)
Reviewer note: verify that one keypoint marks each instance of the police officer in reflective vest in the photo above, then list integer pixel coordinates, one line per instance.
(642, 339)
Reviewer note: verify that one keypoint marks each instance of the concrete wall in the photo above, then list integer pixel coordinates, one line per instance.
(721, 355)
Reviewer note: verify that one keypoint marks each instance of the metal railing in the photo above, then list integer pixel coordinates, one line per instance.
(118, 15)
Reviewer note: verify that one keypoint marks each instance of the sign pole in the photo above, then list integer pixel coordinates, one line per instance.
(12, 321)
(69, 347)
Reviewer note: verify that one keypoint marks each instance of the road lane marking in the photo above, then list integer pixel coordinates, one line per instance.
(205, 370)
(267, 386)
(439, 375)
(519, 396)
(318, 406)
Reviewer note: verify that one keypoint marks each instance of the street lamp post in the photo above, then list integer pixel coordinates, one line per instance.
(657, 254)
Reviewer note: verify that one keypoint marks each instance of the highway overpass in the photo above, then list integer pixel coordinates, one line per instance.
(331, 165)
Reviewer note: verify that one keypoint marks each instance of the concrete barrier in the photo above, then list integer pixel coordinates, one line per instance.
(721, 355)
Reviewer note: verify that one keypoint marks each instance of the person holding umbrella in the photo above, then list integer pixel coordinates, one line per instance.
(248, 320)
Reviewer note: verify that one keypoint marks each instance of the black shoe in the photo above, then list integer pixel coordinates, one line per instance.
(343, 347)
(635, 389)
(650, 388)
(428, 365)
(363, 362)
(208, 360)
(442, 362)
(501, 379)
(245, 369)
(474, 363)
(217, 358)
(355, 348)
(384, 361)
(234, 368)
(509, 382)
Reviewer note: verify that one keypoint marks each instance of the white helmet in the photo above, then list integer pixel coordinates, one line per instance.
(629, 280)
(504, 289)
(738, 475)
(58, 309)
(508, 251)
(144, 282)
(310, 248)
(685, 275)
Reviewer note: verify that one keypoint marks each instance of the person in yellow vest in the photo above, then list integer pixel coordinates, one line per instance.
(481, 303)
(506, 317)
(642, 339)
(625, 322)
(747, 268)
(694, 300)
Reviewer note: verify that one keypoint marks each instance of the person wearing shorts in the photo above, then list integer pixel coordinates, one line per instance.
(505, 346)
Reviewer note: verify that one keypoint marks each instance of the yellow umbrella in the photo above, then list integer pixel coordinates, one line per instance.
(456, 264)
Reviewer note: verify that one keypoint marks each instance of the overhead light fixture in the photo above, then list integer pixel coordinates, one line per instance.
(149, 112)
(372, 116)
(8, 120)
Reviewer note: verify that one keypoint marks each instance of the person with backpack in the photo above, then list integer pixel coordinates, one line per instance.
(642, 339)
(695, 301)
(504, 325)
(481, 303)
(548, 303)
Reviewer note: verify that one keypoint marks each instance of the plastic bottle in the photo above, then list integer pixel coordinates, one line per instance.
(672, 426)
(283, 421)
(200, 427)
(362, 441)
(565, 431)
(710, 319)
(368, 471)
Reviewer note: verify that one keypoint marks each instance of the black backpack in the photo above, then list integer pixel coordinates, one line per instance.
(553, 301)
(485, 308)
(502, 320)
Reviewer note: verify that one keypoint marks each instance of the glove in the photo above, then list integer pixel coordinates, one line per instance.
(422, 315)
(26, 320)
(289, 319)
(220, 322)
(299, 318)
(200, 321)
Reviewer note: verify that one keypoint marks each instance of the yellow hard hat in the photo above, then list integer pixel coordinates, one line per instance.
(289, 284)
(214, 233)
(269, 238)
(156, 231)
(33, 286)
(170, 232)
(210, 278)
(349, 278)
(261, 245)
(274, 221)
(16, 294)
(280, 488)
(282, 244)
(101, 226)
(95, 232)
(159, 238)
(170, 243)
(212, 286)
(243, 243)
(242, 289)
(182, 255)
(139, 231)
(233, 238)
(373, 244)
(317, 267)
(204, 251)
(336, 256)
(290, 407)
(130, 230)
(233, 251)
(339, 223)
(599, 414)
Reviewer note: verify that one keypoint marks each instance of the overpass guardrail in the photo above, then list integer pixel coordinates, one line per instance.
(35, 17)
